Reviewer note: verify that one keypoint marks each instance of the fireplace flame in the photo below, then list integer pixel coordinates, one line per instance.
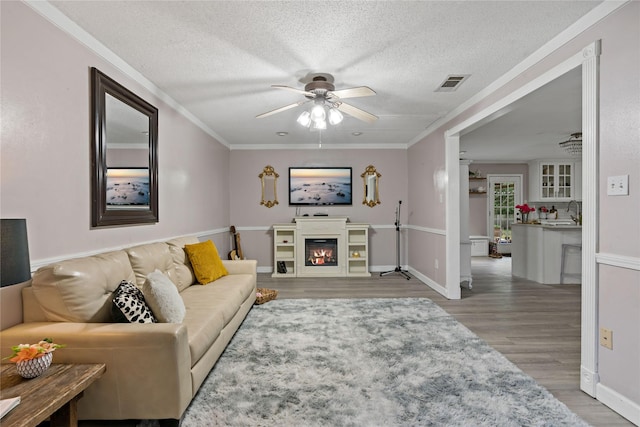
(320, 256)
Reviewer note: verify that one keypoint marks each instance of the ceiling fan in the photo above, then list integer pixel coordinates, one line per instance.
(322, 92)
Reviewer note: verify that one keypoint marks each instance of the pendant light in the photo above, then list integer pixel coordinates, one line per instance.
(573, 145)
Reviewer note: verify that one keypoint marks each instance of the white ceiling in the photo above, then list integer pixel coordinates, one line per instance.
(532, 127)
(218, 59)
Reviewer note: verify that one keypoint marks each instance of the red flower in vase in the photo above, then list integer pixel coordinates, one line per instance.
(525, 208)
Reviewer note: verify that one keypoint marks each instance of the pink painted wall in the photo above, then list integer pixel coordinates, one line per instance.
(247, 213)
(619, 225)
(478, 206)
(619, 232)
(427, 208)
(45, 173)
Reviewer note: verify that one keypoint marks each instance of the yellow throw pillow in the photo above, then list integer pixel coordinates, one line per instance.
(206, 263)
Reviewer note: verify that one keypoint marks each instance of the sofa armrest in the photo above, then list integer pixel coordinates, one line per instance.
(241, 266)
(148, 365)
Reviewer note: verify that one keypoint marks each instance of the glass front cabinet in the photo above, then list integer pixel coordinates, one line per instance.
(554, 181)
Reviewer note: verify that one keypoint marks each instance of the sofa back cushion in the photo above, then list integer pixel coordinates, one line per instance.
(79, 290)
(148, 258)
(184, 271)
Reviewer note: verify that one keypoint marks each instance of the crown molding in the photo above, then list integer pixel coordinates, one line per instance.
(64, 23)
(594, 16)
(323, 146)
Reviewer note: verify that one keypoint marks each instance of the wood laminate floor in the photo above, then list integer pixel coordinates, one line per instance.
(535, 326)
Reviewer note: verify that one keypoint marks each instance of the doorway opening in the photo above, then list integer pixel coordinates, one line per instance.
(587, 60)
(505, 192)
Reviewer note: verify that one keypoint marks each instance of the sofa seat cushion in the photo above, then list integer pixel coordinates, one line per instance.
(210, 308)
(80, 290)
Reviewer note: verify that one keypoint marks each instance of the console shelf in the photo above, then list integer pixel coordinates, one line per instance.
(289, 247)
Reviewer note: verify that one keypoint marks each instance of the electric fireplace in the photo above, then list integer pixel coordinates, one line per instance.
(321, 252)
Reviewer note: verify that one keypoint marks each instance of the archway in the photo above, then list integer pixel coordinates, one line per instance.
(587, 59)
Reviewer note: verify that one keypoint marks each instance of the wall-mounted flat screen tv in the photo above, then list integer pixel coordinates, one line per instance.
(318, 186)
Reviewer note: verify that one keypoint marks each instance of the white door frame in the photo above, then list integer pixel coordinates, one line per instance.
(517, 200)
(588, 59)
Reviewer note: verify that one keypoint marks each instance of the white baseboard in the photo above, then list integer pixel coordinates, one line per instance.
(429, 282)
(372, 269)
(384, 268)
(619, 403)
(588, 381)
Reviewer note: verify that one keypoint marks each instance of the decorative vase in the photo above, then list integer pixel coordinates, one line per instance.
(34, 367)
(525, 218)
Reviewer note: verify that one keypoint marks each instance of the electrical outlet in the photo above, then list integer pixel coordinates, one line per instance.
(436, 263)
(606, 338)
(618, 185)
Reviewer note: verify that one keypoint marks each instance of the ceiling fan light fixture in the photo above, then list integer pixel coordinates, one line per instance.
(318, 114)
(335, 116)
(328, 104)
(304, 119)
(319, 124)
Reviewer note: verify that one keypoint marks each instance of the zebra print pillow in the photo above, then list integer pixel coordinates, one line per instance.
(129, 305)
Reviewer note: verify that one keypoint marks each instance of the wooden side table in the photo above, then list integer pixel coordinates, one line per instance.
(53, 394)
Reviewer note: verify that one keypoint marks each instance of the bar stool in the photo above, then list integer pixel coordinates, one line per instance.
(565, 248)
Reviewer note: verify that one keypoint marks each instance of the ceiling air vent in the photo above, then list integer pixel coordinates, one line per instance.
(452, 82)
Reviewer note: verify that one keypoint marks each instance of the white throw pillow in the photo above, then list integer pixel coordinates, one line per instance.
(163, 298)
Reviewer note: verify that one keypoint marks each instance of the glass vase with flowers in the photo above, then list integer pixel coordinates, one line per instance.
(524, 212)
(543, 212)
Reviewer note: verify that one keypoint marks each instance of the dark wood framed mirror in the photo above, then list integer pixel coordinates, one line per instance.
(124, 155)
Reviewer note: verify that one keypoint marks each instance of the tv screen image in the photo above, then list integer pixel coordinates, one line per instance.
(316, 186)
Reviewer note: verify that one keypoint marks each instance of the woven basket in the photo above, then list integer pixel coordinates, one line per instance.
(265, 295)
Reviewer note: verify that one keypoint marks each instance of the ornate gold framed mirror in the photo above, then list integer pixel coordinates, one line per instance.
(268, 179)
(371, 179)
(124, 181)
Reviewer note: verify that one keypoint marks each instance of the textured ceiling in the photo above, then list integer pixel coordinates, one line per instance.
(219, 58)
(532, 127)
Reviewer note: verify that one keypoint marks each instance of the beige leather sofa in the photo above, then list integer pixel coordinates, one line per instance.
(153, 370)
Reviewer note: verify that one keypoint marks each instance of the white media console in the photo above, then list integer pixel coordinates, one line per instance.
(320, 246)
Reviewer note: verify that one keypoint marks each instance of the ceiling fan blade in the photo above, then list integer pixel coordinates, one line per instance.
(293, 89)
(356, 112)
(281, 109)
(354, 92)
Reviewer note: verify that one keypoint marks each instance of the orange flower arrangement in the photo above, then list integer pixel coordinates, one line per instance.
(24, 352)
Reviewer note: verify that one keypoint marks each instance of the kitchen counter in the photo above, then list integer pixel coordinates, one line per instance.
(552, 227)
(536, 252)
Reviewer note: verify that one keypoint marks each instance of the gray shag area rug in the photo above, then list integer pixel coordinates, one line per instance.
(367, 362)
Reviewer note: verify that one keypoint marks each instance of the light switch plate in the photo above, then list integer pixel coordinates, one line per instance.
(618, 185)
